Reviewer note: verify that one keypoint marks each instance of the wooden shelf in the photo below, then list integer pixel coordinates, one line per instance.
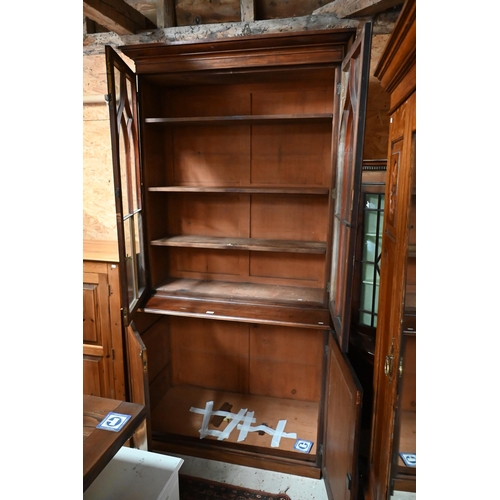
(243, 119)
(253, 244)
(241, 189)
(244, 302)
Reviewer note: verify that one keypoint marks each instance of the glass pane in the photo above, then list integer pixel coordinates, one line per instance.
(141, 266)
(366, 302)
(371, 222)
(124, 174)
(130, 259)
(131, 139)
(117, 87)
(371, 201)
(372, 245)
(369, 249)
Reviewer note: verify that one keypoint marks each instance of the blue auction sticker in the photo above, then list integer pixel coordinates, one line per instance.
(303, 445)
(114, 422)
(410, 459)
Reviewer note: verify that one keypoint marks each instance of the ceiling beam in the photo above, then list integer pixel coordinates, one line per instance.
(355, 8)
(94, 43)
(165, 13)
(116, 16)
(247, 9)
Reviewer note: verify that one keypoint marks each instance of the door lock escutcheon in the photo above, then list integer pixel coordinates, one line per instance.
(389, 362)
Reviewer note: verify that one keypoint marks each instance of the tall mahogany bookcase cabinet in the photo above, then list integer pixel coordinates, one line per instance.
(237, 168)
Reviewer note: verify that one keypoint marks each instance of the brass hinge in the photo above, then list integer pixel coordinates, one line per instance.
(329, 286)
(348, 481)
(326, 350)
(320, 449)
(339, 87)
(144, 361)
(334, 193)
(125, 316)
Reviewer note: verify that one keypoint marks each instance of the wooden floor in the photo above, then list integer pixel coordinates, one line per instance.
(173, 415)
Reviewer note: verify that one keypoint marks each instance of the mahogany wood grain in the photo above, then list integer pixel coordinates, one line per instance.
(99, 446)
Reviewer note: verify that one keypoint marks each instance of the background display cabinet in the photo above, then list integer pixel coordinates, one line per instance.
(237, 169)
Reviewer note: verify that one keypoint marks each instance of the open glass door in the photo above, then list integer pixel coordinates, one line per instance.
(353, 97)
(343, 397)
(127, 177)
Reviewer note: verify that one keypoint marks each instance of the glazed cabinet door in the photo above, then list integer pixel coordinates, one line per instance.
(124, 124)
(353, 90)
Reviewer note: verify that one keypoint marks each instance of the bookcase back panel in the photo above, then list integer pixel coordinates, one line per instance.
(287, 269)
(294, 154)
(211, 354)
(217, 155)
(222, 100)
(286, 362)
(209, 215)
(252, 359)
(157, 157)
(281, 101)
(196, 263)
(242, 266)
(291, 154)
(289, 218)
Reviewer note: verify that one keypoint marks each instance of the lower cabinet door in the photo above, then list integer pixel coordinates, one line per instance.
(342, 426)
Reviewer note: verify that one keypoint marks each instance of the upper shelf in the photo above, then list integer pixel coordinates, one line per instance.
(241, 189)
(244, 119)
(255, 244)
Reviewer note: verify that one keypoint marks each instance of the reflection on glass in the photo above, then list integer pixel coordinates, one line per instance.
(130, 259)
(141, 265)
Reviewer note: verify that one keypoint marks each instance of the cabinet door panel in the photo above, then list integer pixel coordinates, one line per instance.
(342, 424)
(97, 364)
(91, 330)
(93, 380)
(138, 383)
